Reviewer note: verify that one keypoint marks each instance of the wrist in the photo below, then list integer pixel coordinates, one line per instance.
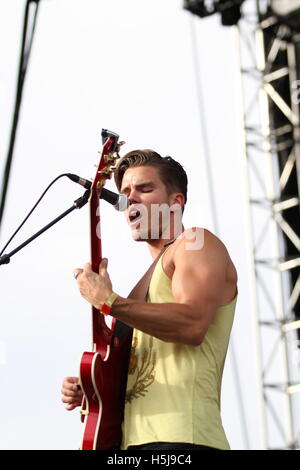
(107, 305)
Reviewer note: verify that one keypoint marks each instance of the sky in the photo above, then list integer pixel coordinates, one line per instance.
(129, 67)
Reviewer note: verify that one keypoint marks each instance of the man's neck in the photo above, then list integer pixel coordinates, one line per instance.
(155, 246)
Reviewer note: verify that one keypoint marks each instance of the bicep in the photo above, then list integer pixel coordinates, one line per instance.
(199, 279)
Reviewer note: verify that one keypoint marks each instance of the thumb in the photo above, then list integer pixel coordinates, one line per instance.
(103, 265)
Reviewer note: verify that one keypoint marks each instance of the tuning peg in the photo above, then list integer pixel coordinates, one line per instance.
(105, 172)
(119, 144)
(110, 158)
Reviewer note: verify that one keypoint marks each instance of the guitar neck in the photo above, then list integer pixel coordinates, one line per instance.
(95, 232)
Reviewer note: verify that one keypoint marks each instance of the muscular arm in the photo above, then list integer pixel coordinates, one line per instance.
(198, 284)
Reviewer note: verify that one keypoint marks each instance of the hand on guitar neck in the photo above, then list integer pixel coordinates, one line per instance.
(94, 287)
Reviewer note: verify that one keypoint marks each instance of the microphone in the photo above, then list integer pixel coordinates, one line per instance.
(77, 179)
(118, 201)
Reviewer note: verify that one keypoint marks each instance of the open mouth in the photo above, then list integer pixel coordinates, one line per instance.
(134, 216)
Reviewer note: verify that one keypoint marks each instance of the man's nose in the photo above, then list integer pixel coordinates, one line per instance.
(133, 197)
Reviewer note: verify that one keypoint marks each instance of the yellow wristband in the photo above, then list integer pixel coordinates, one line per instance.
(106, 307)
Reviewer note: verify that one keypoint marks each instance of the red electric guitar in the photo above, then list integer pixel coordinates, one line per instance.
(103, 372)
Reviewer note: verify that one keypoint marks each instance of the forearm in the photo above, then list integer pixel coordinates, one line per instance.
(171, 322)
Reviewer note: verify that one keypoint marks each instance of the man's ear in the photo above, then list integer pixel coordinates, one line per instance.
(178, 201)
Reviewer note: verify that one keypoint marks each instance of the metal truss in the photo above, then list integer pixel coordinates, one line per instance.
(266, 178)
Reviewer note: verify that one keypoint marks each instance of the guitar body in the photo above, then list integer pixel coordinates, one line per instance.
(103, 381)
(103, 371)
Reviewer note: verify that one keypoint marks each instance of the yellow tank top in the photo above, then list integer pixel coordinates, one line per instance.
(173, 390)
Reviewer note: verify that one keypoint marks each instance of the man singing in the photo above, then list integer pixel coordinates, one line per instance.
(181, 332)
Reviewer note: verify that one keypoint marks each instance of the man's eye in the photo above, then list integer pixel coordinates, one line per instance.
(147, 191)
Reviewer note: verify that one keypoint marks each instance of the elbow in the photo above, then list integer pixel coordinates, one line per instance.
(197, 340)
(195, 337)
(195, 328)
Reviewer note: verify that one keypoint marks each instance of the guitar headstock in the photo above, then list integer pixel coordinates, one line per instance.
(109, 156)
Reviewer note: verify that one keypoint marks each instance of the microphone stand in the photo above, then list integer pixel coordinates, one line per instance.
(78, 204)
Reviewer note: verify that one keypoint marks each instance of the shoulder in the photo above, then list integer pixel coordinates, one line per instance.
(199, 240)
(197, 248)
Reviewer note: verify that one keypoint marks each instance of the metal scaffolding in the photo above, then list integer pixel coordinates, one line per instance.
(268, 49)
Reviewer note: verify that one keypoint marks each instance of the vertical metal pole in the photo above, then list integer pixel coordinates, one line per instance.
(262, 427)
(265, 231)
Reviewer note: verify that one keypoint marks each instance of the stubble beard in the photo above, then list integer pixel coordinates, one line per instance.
(157, 227)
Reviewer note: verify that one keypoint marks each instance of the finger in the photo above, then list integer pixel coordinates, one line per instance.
(70, 383)
(71, 390)
(71, 379)
(87, 268)
(71, 407)
(68, 400)
(71, 400)
(103, 266)
(69, 393)
(76, 272)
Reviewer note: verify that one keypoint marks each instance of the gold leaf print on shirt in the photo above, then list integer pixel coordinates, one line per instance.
(143, 367)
